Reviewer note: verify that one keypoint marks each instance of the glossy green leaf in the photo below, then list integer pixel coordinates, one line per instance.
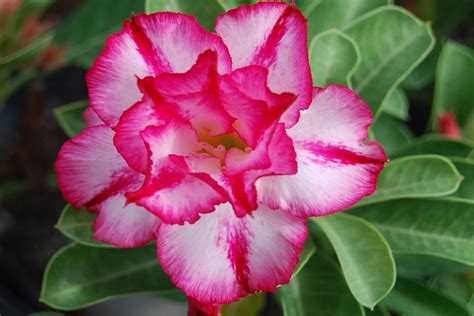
(77, 225)
(413, 299)
(85, 31)
(78, 276)
(422, 267)
(415, 176)
(319, 289)
(364, 255)
(70, 117)
(466, 169)
(439, 227)
(248, 306)
(46, 314)
(337, 13)
(454, 83)
(333, 58)
(424, 73)
(206, 11)
(396, 105)
(391, 133)
(438, 145)
(392, 43)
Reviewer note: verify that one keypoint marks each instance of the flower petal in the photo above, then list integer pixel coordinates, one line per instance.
(245, 95)
(89, 167)
(127, 139)
(274, 155)
(124, 224)
(91, 118)
(335, 168)
(272, 35)
(147, 46)
(170, 191)
(221, 257)
(194, 94)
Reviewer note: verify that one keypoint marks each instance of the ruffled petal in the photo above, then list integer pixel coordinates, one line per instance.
(147, 46)
(245, 95)
(222, 258)
(91, 173)
(127, 139)
(124, 224)
(89, 166)
(335, 168)
(272, 35)
(274, 155)
(194, 95)
(170, 191)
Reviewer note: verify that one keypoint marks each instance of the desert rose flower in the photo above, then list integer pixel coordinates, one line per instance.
(217, 146)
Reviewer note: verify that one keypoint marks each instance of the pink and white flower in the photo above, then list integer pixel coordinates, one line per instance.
(217, 146)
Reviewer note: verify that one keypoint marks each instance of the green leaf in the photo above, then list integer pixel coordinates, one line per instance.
(70, 117)
(439, 227)
(438, 145)
(78, 276)
(206, 11)
(391, 133)
(422, 75)
(319, 289)
(336, 13)
(415, 176)
(248, 306)
(466, 168)
(454, 83)
(422, 267)
(364, 255)
(28, 52)
(413, 299)
(392, 43)
(86, 30)
(77, 225)
(333, 58)
(396, 105)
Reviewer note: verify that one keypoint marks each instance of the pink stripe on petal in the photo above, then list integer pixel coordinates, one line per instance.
(272, 35)
(147, 46)
(170, 191)
(89, 166)
(128, 140)
(222, 258)
(335, 167)
(194, 95)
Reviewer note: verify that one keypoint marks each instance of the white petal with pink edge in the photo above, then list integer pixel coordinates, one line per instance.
(89, 165)
(273, 35)
(221, 257)
(147, 46)
(128, 140)
(124, 224)
(335, 168)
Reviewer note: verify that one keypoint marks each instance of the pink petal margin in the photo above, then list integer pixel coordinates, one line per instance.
(222, 257)
(335, 167)
(273, 35)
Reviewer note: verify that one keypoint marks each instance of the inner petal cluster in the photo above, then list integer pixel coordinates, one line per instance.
(211, 138)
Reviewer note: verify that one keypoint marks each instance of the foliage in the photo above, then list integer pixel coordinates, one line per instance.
(424, 204)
